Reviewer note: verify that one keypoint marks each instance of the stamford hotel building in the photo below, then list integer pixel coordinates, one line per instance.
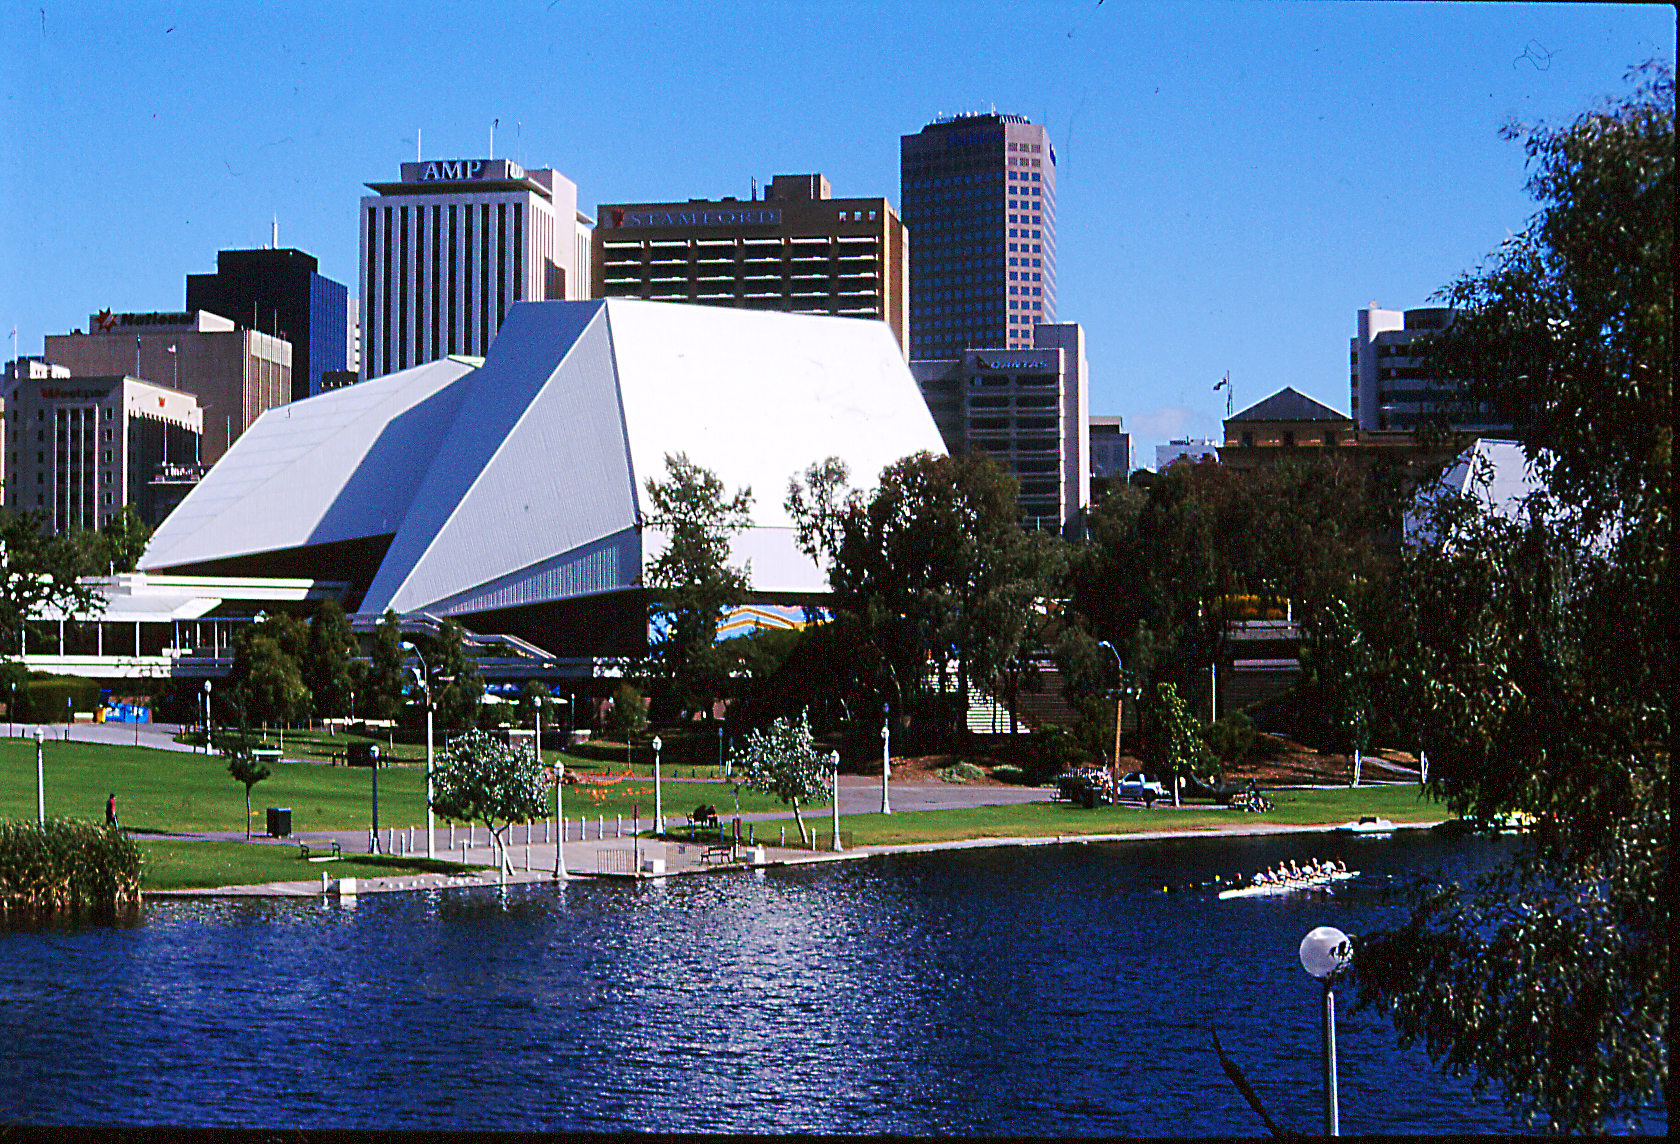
(979, 196)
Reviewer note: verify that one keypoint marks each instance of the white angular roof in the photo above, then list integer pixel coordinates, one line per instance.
(338, 466)
(522, 482)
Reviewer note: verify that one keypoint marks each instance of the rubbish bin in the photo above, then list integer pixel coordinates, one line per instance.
(279, 821)
(1088, 797)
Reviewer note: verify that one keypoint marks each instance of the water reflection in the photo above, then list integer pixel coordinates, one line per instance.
(1035, 991)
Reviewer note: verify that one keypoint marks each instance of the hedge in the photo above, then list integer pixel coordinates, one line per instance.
(67, 862)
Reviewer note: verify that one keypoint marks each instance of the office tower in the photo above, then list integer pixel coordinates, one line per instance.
(800, 251)
(1027, 409)
(452, 246)
(979, 197)
(280, 293)
(1111, 448)
(234, 373)
(79, 448)
(1390, 386)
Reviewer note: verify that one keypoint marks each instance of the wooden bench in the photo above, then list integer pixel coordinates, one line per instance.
(722, 852)
(318, 856)
(703, 816)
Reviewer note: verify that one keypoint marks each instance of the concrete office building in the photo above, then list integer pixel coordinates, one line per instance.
(280, 293)
(1111, 448)
(1027, 409)
(979, 197)
(1192, 449)
(79, 448)
(449, 249)
(1390, 388)
(235, 374)
(799, 251)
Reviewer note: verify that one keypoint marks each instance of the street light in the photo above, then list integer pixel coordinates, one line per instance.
(40, 780)
(834, 761)
(658, 792)
(560, 823)
(206, 716)
(1325, 952)
(1119, 701)
(424, 676)
(886, 758)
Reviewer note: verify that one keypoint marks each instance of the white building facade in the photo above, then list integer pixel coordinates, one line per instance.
(448, 250)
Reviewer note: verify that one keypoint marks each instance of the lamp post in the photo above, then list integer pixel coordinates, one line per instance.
(1325, 952)
(834, 761)
(424, 676)
(723, 768)
(1119, 701)
(559, 823)
(658, 792)
(40, 780)
(206, 716)
(886, 758)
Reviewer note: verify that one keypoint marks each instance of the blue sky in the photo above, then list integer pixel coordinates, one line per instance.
(1235, 180)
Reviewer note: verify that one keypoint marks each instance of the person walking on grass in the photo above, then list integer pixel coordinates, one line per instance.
(111, 811)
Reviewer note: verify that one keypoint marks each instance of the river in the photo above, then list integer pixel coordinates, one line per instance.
(1046, 990)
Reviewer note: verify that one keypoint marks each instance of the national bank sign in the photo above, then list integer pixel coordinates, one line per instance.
(731, 216)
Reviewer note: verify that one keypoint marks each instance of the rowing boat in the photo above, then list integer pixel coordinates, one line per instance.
(1320, 884)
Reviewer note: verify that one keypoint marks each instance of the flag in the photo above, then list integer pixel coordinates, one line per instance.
(1222, 383)
(171, 349)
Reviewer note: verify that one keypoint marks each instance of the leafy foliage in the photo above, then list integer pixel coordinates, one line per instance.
(242, 764)
(692, 579)
(1172, 744)
(66, 862)
(1531, 655)
(628, 713)
(481, 779)
(380, 682)
(266, 668)
(327, 659)
(41, 570)
(783, 760)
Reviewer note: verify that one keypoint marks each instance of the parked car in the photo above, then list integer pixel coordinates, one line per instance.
(1139, 785)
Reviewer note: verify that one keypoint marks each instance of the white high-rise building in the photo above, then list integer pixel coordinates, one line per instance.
(447, 251)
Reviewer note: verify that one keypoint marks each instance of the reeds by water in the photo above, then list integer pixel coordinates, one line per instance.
(67, 862)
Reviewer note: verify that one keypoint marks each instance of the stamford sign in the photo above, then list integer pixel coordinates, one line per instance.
(738, 216)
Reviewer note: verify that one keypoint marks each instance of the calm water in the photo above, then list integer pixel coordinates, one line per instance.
(1053, 990)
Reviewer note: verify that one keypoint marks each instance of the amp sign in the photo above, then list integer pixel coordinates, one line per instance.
(460, 170)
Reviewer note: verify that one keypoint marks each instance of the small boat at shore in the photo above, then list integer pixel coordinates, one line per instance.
(1320, 884)
(1367, 824)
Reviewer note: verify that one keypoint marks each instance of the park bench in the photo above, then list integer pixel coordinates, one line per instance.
(703, 815)
(721, 852)
(318, 854)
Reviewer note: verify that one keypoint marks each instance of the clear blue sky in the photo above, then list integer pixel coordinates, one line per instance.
(1235, 182)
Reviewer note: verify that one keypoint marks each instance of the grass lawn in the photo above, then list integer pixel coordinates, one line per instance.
(166, 791)
(175, 865)
(1038, 819)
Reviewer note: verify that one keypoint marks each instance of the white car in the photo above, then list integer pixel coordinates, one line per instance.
(1139, 785)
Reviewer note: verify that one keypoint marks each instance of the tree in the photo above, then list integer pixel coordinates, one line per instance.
(267, 669)
(481, 779)
(462, 694)
(1173, 743)
(782, 760)
(40, 571)
(1342, 664)
(934, 567)
(816, 505)
(628, 713)
(381, 681)
(242, 763)
(1534, 651)
(119, 543)
(327, 659)
(692, 580)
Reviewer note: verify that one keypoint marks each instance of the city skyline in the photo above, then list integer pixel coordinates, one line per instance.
(1231, 190)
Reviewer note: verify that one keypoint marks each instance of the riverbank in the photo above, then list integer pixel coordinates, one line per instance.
(643, 859)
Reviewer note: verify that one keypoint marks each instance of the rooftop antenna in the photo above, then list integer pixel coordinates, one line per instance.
(519, 140)
(274, 234)
(493, 123)
(417, 158)
(755, 188)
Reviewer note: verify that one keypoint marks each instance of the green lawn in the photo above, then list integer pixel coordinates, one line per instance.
(168, 864)
(1039, 819)
(167, 791)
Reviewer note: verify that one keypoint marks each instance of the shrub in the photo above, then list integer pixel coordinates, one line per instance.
(1230, 739)
(961, 773)
(67, 862)
(1008, 773)
(629, 711)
